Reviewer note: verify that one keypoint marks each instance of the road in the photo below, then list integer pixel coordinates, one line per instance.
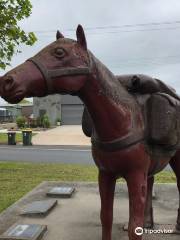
(47, 154)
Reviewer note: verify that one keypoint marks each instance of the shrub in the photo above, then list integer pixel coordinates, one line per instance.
(21, 121)
(45, 121)
(32, 123)
(39, 121)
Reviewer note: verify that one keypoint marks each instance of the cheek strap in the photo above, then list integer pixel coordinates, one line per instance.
(50, 74)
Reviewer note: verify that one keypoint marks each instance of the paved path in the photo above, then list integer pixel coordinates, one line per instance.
(63, 135)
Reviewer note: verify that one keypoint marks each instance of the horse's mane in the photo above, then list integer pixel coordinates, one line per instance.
(110, 86)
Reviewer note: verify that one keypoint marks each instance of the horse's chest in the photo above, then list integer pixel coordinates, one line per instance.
(123, 161)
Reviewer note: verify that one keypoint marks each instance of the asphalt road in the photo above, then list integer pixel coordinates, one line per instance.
(47, 154)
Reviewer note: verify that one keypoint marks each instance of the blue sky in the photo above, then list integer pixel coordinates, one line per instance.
(137, 36)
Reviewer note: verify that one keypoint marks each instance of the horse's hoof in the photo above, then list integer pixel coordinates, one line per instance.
(178, 227)
(149, 225)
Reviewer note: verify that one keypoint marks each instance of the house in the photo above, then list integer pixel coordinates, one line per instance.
(68, 108)
(22, 109)
(26, 109)
(13, 110)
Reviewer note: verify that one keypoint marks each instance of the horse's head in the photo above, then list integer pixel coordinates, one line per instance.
(61, 67)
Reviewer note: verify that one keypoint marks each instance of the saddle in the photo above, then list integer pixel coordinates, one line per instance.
(160, 106)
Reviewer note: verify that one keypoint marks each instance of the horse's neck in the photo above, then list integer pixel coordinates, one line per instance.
(108, 103)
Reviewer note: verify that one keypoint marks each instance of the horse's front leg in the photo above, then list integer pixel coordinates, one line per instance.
(137, 187)
(106, 188)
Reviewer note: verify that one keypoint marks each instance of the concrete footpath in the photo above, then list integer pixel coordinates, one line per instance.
(63, 135)
(77, 218)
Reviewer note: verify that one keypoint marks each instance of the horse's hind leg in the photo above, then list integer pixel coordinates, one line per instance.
(175, 164)
(137, 187)
(106, 188)
(148, 213)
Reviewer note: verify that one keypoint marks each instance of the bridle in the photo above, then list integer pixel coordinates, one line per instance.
(49, 74)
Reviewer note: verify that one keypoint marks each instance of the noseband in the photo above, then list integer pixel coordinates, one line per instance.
(50, 74)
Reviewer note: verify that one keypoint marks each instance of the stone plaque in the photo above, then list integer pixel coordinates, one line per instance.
(24, 232)
(65, 192)
(39, 208)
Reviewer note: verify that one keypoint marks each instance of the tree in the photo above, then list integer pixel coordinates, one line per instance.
(24, 101)
(11, 35)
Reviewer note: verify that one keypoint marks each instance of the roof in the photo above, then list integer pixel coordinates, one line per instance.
(5, 105)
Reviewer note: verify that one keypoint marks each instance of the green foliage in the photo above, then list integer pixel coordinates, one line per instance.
(58, 119)
(11, 35)
(4, 138)
(33, 123)
(45, 121)
(39, 122)
(24, 101)
(21, 121)
(15, 175)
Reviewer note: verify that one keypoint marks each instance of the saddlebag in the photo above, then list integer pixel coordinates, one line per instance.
(163, 120)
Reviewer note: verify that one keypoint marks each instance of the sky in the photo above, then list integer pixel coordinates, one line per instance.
(129, 37)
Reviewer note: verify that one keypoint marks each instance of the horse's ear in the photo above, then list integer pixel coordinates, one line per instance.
(81, 39)
(59, 35)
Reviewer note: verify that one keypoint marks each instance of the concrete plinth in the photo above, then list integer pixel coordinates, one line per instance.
(77, 218)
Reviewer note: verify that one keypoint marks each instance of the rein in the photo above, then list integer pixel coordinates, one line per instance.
(50, 74)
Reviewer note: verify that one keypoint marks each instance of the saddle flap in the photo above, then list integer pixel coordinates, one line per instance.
(162, 120)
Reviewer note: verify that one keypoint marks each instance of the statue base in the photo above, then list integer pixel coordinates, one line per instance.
(77, 217)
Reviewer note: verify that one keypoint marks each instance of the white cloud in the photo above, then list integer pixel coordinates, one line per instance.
(149, 52)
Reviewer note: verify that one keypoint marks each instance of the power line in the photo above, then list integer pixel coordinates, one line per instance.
(105, 33)
(117, 32)
(115, 26)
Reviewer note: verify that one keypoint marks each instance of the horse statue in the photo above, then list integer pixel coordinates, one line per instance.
(121, 146)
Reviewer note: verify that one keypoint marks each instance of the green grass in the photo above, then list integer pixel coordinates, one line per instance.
(4, 138)
(16, 179)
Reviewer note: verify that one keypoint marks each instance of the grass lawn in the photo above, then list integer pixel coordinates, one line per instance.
(4, 138)
(16, 179)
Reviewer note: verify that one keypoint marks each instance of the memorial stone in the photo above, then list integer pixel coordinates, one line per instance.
(24, 232)
(64, 192)
(39, 208)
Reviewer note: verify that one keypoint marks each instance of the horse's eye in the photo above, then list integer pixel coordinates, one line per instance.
(59, 52)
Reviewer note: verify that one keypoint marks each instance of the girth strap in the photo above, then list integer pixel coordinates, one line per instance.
(49, 74)
(118, 144)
